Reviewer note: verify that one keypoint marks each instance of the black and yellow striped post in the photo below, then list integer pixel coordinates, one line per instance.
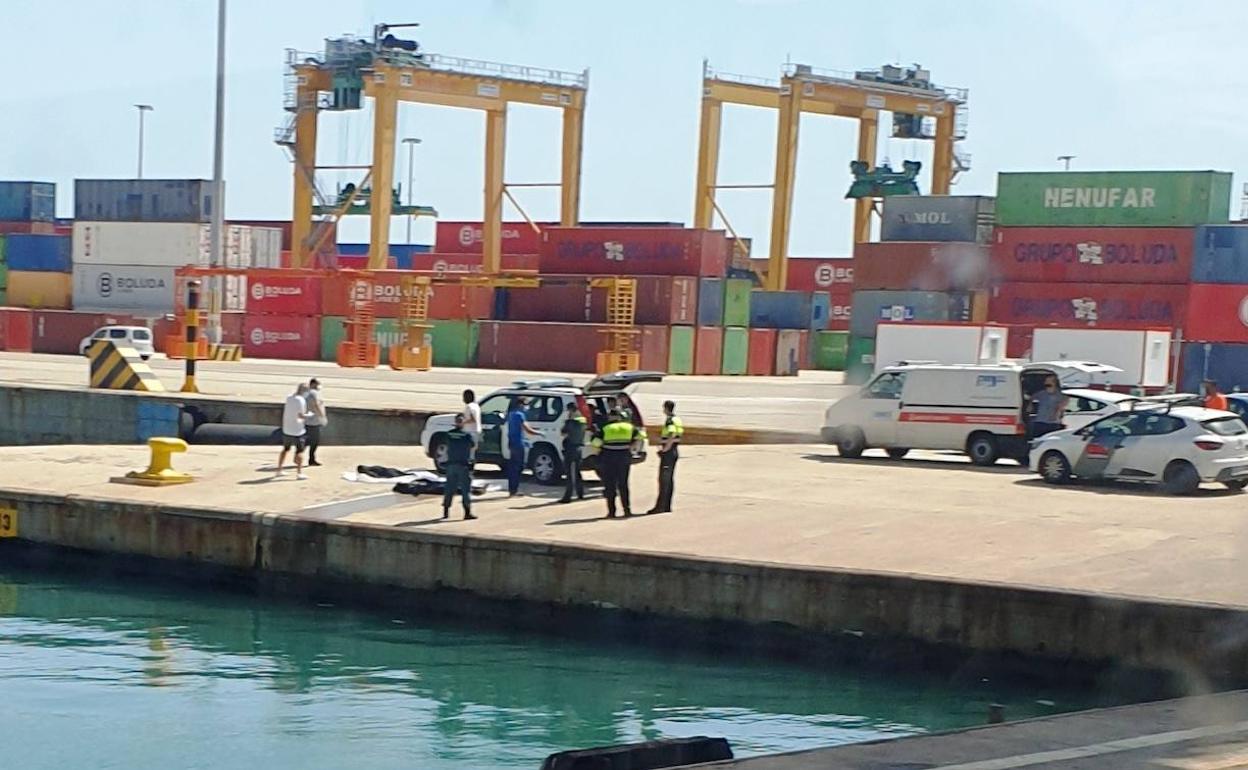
(192, 335)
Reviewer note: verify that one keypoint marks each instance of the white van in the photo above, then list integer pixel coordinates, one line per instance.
(137, 337)
(979, 409)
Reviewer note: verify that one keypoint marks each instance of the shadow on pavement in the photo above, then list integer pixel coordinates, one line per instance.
(955, 462)
(1123, 488)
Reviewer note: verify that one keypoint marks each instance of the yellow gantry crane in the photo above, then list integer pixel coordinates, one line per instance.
(390, 70)
(906, 92)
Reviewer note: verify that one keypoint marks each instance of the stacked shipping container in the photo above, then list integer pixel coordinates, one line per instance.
(1216, 323)
(27, 216)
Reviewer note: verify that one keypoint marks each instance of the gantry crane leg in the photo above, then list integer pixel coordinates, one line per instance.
(868, 134)
(708, 163)
(790, 115)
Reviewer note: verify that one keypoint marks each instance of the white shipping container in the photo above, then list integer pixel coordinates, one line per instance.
(1143, 356)
(238, 246)
(948, 343)
(142, 288)
(154, 244)
(235, 293)
(266, 247)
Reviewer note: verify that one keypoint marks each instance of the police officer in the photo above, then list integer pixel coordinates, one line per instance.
(615, 459)
(573, 443)
(669, 453)
(459, 450)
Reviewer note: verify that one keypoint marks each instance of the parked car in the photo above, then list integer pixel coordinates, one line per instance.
(1087, 405)
(1178, 447)
(137, 337)
(546, 412)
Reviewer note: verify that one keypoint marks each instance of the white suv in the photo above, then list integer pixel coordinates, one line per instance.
(546, 412)
(137, 337)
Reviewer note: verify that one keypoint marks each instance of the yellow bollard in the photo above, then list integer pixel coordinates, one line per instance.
(160, 470)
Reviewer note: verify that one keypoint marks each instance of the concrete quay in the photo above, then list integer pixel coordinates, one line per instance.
(925, 555)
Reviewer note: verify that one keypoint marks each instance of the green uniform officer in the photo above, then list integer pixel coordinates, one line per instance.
(573, 431)
(459, 450)
(669, 453)
(616, 441)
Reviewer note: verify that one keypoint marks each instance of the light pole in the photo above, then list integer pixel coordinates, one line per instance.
(411, 143)
(142, 108)
(1066, 159)
(216, 228)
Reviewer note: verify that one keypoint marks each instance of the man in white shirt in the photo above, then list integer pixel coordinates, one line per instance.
(294, 430)
(318, 419)
(472, 419)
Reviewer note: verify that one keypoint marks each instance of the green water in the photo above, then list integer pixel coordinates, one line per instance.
(135, 673)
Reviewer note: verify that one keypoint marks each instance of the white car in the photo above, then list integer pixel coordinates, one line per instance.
(137, 337)
(1087, 405)
(1177, 447)
(546, 412)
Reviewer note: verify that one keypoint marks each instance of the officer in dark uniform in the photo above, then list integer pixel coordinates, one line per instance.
(459, 449)
(616, 441)
(669, 453)
(573, 430)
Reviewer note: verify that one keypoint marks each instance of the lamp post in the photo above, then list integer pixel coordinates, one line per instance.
(143, 109)
(411, 143)
(1066, 159)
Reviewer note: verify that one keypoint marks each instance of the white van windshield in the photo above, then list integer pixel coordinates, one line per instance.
(887, 385)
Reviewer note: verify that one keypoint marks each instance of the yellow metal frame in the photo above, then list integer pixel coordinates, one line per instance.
(798, 92)
(388, 84)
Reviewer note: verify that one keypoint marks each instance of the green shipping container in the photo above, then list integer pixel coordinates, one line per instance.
(831, 350)
(737, 302)
(861, 363)
(385, 332)
(680, 351)
(1113, 198)
(4, 276)
(455, 343)
(736, 358)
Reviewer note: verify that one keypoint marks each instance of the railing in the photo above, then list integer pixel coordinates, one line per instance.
(708, 73)
(501, 71)
(807, 72)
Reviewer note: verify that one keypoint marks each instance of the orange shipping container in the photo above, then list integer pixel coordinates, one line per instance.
(40, 290)
(708, 350)
(15, 330)
(762, 355)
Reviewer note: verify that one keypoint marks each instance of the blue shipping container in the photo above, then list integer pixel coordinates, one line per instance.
(27, 201)
(781, 310)
(820, 311)
(143, 200)
(1223, 362)
(39, 253)
(871, 307)
(945, 218)
(711, 302)
(1220, 254)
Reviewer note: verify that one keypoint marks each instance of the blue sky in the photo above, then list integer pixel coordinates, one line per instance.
(1121, 85)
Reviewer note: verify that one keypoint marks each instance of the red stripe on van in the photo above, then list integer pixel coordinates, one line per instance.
(968, 418)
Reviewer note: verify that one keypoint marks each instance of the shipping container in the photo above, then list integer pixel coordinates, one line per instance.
(130, 288)
(634, 251)
(792, 352)
(1142, 355)
(27, 201)
(1220, 254)
(1113, 198)
(291, 295)
(38, 253)
(157, 244)
(831, 274)
(333, 331)
(540, 347)
(660, 300)
(441, 264)
(16, 327)
(789, 310)
(762, 355)
(737, 302)
(708, 350)
(29, 228)
(963, 218)
(710, 302)
(1018, 343)
(831, 350)
(37, 290)
(62, 331)
(839, 314)
(861, 363)
(283, 226)
(449, 301)
(4, 277)
(143, 200)
(735, 350)
(871, 307)
(360, 262)
(1093, 254)
(680, 350)
(921, 266)
(466, 237)
(290, 337)
(655, 348)
(940, 343)
(1216, 312)
(1103, 305)
(454, 343)
(1226, 363)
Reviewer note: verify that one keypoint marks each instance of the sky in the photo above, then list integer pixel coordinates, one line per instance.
(1118, 84)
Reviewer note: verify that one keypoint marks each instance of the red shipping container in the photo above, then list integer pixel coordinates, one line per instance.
(1217, 312)
(1018, 343)
(294, 338)
(539, 347)
(762, 354)
(284, 258)
(1102, 306)
(708, 350)
(360, 262)
(62, 331)
(667, 300)
(661, 300)
(839, 313)
(1094, 254)
(634, 251)
(817, 274)
(449, 301)
(27, 228)
(466, 237)
(16, 329)
(921, 266)
(232, 328)
(284, 295)
(655, 344)
(442, 264)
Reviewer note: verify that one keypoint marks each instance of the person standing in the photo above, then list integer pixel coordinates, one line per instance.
(615, 460)
(294, 430)
(1050, 408)
(513, 447)
(573, 445)
(318, 420)
(472, 419)
(669, 452)
(1214, 399)
(459, 449)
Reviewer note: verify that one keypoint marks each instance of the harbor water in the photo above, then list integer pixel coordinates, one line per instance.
(108, 672)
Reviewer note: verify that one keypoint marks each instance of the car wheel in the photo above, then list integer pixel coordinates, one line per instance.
(545, 464)
(898, 452)
(439, 452)
(850, 442)
(1180, 478)
(1236, 485)
(144, 356)
(982, 448)
(1055, 468)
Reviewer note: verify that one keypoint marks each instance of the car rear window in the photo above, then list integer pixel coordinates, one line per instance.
(1226, 426)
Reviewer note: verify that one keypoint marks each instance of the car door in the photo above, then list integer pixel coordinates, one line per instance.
(1084, 410)
(1102, 440)
(1146, 451)
(543, 414)
(493, 415)
(881, 401)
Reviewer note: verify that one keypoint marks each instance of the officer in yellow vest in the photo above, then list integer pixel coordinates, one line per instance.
(615, 442)
(669, 453)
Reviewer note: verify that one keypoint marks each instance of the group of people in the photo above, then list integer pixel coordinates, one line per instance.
(303, 417)
(1049, 404)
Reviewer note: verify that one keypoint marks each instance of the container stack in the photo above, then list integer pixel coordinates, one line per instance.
(1216, 324)
(28, 208)
(931, 264)
(27, 215)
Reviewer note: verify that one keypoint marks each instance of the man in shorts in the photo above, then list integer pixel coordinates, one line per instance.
(294, 429)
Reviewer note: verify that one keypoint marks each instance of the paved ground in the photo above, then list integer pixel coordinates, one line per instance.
(791, 404)
(1205, 733)
(797, 505)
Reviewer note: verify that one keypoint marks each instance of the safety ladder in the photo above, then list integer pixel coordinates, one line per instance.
(620, 352)
(415, 348)
(359, 347)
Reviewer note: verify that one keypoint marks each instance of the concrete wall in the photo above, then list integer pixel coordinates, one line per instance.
(1058, 627)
